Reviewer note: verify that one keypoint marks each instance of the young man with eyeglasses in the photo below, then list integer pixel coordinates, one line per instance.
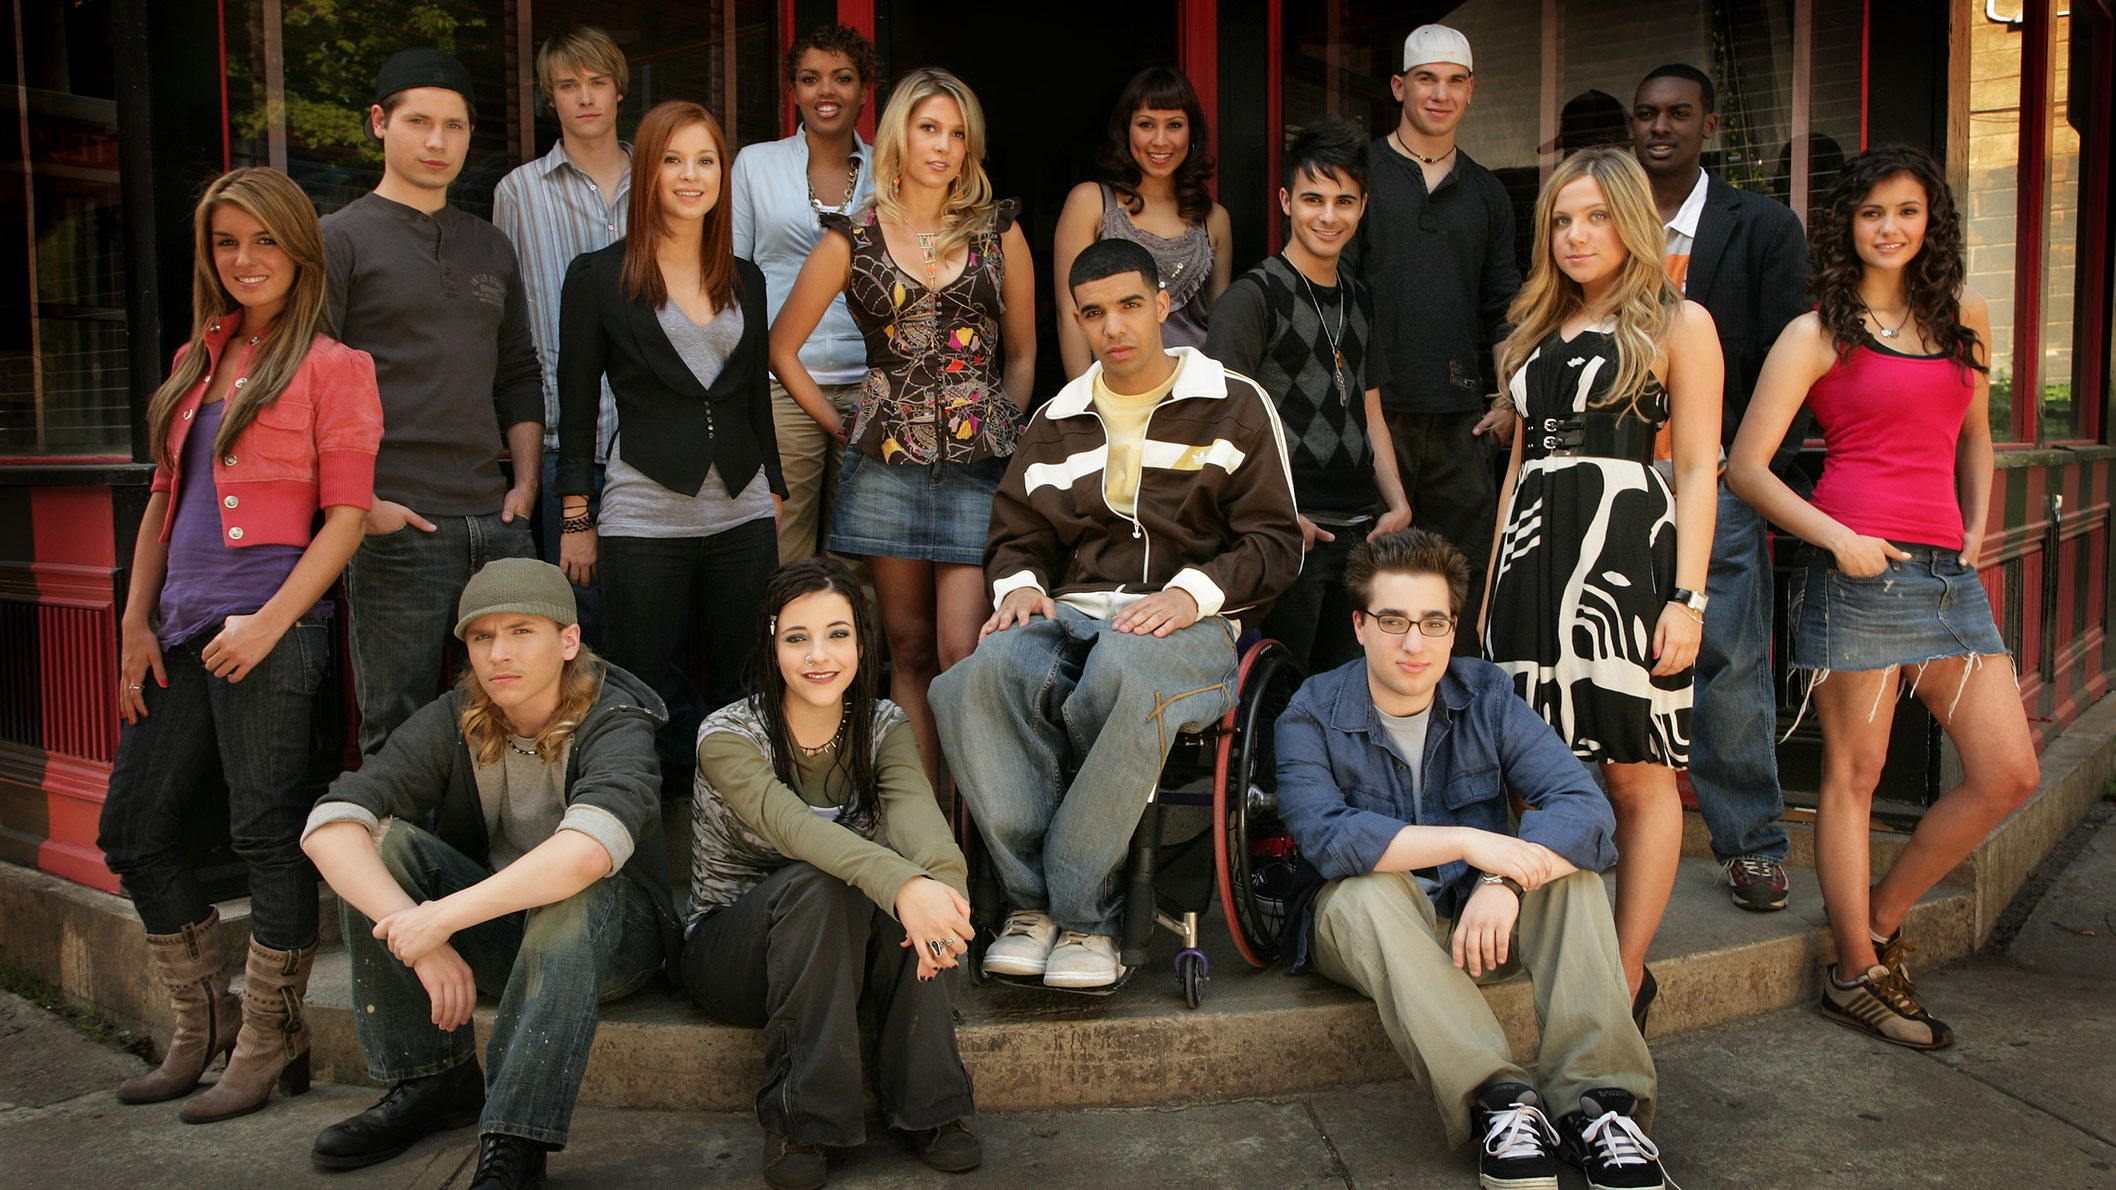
(1393, 771)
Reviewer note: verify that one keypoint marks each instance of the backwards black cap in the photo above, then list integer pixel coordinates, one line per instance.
(423, 66)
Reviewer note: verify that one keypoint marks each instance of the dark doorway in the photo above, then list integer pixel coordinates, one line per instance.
(1042, 125)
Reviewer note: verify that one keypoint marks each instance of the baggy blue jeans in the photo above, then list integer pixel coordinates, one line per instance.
(403, 588)
(1734, 719)
(258, 730)
(1039, 698)
(551, 967)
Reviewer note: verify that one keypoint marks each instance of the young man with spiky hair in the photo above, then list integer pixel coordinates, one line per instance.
(569, 201)
(1303, 329)
(1415, 888)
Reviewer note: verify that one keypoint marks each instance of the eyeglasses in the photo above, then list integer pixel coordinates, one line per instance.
(1398, 625)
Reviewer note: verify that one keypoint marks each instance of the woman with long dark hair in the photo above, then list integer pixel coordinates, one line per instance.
(677, 323)
(264, 440)
(1893, 365)
(942, 286)
(1154, 164)
(822, 870)
(1596, 598)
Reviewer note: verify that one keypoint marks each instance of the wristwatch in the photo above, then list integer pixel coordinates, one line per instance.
(1694, 600)
(1508, 881)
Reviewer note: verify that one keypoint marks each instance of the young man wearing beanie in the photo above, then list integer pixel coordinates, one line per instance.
(542, 878)
(1436, 250)
(434, 295)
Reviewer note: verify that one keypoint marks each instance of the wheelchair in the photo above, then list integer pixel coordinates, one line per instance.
(1230, 769)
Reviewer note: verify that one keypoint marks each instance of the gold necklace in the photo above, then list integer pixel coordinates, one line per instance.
(925, 248)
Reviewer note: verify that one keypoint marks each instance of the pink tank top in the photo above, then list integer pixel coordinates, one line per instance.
(1891, 423)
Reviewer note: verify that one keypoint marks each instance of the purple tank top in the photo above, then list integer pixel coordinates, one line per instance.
(208, 579)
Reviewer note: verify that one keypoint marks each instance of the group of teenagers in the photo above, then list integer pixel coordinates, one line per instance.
(782, 403)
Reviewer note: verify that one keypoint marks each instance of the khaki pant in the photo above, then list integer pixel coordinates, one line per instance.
(1378, 934)
(809, 458)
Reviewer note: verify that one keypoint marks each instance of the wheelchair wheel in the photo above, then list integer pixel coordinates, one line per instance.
(1190, 972)
(1257, 856)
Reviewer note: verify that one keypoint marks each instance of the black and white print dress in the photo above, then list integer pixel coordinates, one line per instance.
(1586, 564)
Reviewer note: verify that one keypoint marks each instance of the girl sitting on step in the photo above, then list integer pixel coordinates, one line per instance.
(822, 869)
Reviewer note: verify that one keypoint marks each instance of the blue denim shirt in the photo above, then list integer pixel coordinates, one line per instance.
(1344, 791)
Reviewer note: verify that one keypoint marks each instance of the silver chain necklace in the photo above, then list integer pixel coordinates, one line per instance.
(1337, 367)
(852, 183)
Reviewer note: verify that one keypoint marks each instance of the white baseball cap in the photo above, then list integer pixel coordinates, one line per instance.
(1436, 43)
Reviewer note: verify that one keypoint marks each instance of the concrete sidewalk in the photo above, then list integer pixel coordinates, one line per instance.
(2026, 1097)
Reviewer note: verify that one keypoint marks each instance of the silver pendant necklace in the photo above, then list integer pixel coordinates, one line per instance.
(1337, 366)
(1889, 332)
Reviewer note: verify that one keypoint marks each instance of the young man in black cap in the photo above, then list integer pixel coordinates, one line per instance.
(543, 877)
(1744, 258)
(434, 295)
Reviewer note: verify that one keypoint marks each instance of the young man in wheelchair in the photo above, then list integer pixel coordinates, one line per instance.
(1146, 514)
(1393, 771)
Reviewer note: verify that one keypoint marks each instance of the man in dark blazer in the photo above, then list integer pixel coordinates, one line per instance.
(1743, 257)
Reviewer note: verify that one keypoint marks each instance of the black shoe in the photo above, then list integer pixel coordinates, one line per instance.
(951, 1148)
(410, 1110)
(1608, 1145)
(788, 1166)
(1518, 1145)
(1641, 1004)
(508, 1163)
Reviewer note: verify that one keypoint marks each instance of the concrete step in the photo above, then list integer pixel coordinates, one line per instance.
(1257, 1033)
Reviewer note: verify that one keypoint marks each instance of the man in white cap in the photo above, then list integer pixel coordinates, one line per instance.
(1436, 250)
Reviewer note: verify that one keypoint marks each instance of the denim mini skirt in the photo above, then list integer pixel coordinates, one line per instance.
(932, 512)
(1923, 609)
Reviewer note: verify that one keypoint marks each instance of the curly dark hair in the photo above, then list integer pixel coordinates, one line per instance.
(836, 39)
(1933, 279)
(1159, 88)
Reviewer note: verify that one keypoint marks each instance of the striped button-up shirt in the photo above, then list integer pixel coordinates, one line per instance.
(553, 211)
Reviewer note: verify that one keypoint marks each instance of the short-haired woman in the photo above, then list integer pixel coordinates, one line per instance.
(264, 438)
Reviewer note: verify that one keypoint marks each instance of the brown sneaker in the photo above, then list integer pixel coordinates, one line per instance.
(1883, 1003)
(788, 1166)
(952, 1147)
(1893, 953)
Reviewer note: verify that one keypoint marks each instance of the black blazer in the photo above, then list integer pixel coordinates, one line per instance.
(1748, 267)
(674, 427)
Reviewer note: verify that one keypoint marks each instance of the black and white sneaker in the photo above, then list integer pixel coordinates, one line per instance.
(1519, 1146)
(1609, 1146)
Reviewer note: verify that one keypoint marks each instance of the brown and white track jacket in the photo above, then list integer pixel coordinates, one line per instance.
(1214, 516)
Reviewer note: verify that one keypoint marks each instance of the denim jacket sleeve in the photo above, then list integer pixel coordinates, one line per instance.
(1568, 813)
(1340, 839)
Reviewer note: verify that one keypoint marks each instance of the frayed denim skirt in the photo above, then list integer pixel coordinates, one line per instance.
(933, 512)
(1923, 609)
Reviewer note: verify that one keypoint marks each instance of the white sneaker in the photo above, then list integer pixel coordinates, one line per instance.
(1082, 961)
(1023, 945)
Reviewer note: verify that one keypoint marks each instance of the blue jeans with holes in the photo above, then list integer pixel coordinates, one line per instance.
(1035, 700)
(551, 967)
(1734, 717)
(258, 732)
(403, 588)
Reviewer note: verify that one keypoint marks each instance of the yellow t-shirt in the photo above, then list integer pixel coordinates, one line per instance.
(1124, 420)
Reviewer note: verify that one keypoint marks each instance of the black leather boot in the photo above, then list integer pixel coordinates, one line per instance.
(508, 1163)
(410, 1110)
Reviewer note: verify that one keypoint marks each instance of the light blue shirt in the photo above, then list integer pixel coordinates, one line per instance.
(775, 229)
(553, 211)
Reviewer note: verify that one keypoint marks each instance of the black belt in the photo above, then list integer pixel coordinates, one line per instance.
(1594, 435)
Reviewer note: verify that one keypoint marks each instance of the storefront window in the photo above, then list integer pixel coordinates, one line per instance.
(1552, 78)
(2061, 414)
(301, 78)
(62, 269)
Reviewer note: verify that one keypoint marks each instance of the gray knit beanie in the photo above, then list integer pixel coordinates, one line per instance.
(517, 585)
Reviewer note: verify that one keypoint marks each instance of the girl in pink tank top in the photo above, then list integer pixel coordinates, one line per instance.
(1892, 364)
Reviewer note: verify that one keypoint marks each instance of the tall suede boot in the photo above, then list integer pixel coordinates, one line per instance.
(273, 1044)
(206, 1012)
